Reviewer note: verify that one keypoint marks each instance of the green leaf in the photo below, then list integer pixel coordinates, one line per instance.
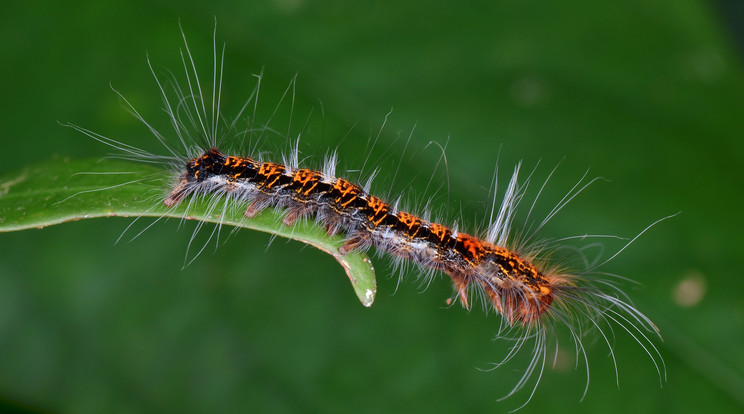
(61, 190)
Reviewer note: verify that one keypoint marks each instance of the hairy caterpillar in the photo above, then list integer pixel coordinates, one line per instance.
(513, 276)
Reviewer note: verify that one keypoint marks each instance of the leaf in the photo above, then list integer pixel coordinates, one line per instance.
(61, 190)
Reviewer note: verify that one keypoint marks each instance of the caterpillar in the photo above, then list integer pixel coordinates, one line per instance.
(516, 287)
(513, 276)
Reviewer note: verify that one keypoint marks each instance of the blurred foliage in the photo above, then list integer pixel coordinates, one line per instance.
(646, 94)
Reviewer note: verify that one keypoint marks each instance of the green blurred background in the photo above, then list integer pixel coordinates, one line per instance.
(648, 94)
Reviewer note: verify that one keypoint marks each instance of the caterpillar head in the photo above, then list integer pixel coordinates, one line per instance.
(197, 170)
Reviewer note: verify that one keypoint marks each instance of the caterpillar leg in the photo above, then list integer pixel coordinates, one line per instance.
(295, 213)
(177, 194)
(257, 205)
(461, 283)
(355, 241)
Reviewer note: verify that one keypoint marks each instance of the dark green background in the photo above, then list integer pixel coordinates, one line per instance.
(648, 94)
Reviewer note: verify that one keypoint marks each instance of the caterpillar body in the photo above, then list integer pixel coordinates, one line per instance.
(514, 285)
(514, 277)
